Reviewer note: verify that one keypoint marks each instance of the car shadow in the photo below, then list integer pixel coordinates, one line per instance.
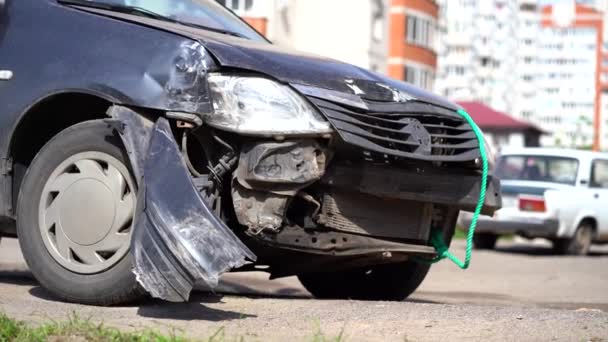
(536, 250)
(422, 301)
(466, 296)
(17, 277)
(242, 288)
(193, 310)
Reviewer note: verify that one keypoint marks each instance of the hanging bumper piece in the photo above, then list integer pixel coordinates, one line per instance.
(177, 239)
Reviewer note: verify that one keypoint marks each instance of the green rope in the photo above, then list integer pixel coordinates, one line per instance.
(436, 236)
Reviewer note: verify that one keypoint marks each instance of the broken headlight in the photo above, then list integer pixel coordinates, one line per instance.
(489, 153)
(259, 106)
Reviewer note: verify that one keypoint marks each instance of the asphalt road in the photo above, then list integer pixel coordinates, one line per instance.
(520, 292)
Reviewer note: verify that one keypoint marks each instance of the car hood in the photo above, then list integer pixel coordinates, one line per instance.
(291, 66)
(300, 68)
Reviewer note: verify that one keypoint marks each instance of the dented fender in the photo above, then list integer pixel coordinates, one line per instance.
(177, 239)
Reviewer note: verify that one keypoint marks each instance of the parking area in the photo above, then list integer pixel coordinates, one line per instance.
(520, 291)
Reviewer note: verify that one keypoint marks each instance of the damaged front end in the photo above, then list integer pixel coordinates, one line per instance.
(293, 177)
(394, 169)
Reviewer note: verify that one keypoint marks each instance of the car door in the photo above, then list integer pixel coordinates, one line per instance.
(5, 75)
(598, 191)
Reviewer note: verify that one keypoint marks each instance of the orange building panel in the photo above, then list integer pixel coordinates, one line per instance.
(259, 24)
(399, 48)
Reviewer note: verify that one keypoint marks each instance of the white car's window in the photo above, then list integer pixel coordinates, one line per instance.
(599, 174)
(538, 168)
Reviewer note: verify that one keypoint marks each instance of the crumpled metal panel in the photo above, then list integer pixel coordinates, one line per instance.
(269, 174)
(177, 239)
(259, 210)
(281, 167)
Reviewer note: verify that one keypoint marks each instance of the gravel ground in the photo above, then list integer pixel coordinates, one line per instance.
(520, 292)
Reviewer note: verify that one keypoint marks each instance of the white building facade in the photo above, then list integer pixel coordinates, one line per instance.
(352, 31)
(567, 81)
(476, 59)
(539, 64)
(526, 87)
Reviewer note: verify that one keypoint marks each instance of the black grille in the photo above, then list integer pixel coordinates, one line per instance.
(404, 130)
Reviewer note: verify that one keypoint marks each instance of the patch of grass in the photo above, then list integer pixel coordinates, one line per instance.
(320, 336)
(76, 329)
(461, 234)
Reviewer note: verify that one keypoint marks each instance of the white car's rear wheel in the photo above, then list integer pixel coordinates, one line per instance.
(485, 240)
(579, 244)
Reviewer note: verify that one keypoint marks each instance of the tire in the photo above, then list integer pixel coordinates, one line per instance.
(579, 244)
(64, 271)
(390, 282)
(484, 241)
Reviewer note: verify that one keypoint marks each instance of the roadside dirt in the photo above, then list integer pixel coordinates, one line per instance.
(520, 292)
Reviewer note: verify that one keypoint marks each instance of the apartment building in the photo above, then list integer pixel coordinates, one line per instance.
(570, 58)
(413, 41)
(538, 63)
(602, 6)
(477, 59)
(526, 88)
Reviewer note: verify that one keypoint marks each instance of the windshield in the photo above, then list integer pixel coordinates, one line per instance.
(207, 14)
(538, 168)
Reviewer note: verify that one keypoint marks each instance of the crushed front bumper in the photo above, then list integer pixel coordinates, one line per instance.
(452, 187)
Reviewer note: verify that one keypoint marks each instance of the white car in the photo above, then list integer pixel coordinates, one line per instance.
(558, 194)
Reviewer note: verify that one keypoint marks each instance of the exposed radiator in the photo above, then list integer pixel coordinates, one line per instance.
(368, 215)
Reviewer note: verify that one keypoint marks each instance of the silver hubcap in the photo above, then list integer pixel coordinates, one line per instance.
(86, 212)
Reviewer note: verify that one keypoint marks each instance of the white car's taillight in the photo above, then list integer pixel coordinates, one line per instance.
(532, 203)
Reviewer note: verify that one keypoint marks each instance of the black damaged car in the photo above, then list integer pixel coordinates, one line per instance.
(150, 145)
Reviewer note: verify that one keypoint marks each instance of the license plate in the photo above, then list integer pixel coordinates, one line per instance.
(510, 202)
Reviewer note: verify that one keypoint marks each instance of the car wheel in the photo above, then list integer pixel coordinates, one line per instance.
(579, 244)
(74, 216)
(393, 282)
(484, 241)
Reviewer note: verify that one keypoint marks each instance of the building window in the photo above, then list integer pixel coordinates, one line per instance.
(237, 5)
(421, 77)
(420, 31)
